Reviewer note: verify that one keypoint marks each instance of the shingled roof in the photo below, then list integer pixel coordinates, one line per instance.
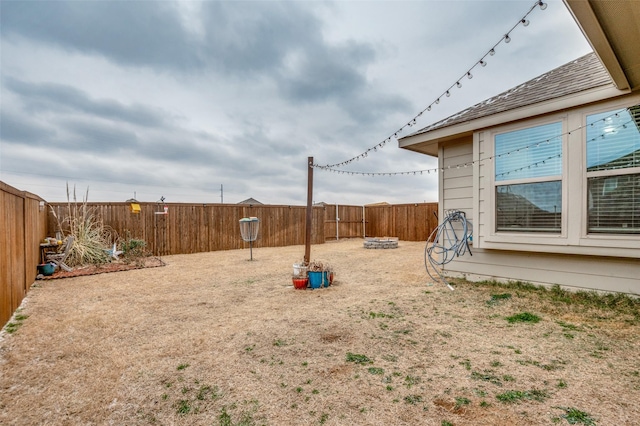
(579, 75)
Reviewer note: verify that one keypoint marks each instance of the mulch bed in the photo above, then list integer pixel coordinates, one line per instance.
(118, 266)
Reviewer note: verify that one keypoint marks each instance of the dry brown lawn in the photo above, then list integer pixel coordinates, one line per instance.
(214, 339)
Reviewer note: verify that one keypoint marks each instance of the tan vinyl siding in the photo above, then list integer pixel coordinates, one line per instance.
(583, 272)
(484, 207)
(457, 181)
(592, 272)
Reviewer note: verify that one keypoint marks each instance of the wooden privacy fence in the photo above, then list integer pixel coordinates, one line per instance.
(23, 223)
(408, 222)
(193, 228)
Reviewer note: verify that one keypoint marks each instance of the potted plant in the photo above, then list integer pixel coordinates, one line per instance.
(318, 274)
(300, 282)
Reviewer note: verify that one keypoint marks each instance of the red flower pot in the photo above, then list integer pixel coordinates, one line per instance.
(300, 283)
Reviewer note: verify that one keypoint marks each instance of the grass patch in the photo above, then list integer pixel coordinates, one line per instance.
(183, 407)
(412, 399)
(460, 401)
(358, 358)
(574, 416)
(497, 298)
(410, 381)
(524, 317)
(11, 327)
(376, 370)
(514, 396)
(476, 375)
(618, 303)
(379, 315)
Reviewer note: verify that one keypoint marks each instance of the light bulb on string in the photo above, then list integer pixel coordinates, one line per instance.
(542, 5)
(507, 39)
(482, 63)
(438, 101)
(459, 85)
(448, 94)
(525, 22)
(492, 52)
(429, 108)
(469, 75)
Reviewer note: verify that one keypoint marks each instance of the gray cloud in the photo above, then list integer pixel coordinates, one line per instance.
(52, 97)
(137, 33)
(181, 97)
(282, 41)
(17, 127)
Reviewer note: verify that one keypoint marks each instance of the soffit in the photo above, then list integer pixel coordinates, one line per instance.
(612, 27)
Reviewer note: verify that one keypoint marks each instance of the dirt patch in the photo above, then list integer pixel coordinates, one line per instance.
(116, 266)
(213, 338)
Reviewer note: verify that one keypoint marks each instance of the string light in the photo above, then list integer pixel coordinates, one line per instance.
(481, 62)
(486, 159)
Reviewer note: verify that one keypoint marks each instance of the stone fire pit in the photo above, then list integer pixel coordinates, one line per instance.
(381, 243)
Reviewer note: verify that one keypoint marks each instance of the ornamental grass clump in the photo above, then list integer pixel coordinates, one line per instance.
(90, 236)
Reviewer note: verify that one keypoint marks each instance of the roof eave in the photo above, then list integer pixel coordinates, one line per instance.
(427, 143)
(589, 23)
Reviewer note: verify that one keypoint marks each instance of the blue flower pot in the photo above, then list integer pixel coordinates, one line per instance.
(46, 269)
(316, 279)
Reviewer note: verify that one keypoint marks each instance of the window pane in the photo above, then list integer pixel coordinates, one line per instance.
(529, 207)
(613, 140)
(529, 153)
(614, 204)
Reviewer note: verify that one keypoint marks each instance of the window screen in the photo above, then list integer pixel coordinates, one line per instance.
(521, 156)
(529, 153)
(613, 171)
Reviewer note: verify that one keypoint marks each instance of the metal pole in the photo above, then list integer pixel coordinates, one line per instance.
(337, 223)
(250, 240)
(221, 195)
(307, 236)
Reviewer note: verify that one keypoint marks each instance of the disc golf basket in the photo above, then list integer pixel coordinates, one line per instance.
(249, 231)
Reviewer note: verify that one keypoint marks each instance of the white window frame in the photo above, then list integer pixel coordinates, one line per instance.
(613, 240)
(574, 238)
(519, 237)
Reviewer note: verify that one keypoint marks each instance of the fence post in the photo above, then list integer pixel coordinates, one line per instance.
(364, 221)
(337, 223)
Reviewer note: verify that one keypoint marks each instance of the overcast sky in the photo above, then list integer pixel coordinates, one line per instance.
(175, 99)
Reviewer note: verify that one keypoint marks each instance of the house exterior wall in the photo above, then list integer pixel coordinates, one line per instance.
(571, 259)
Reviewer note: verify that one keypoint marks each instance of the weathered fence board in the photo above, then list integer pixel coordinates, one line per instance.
(22, 226)
(408, 222)
(347, 224)
(192, 228)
